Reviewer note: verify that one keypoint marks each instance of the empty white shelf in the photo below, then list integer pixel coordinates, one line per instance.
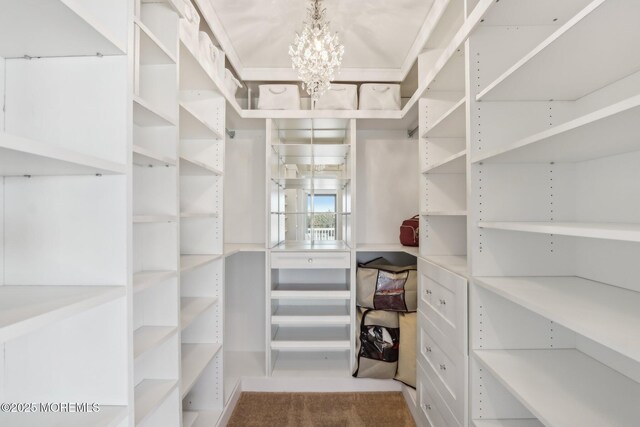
(24, 309)
(53, 28)
(196, 167)
(308, 183)
(323, 114)
(451, 124)
(191, 262)
(383, 247)
(234, 248)
(208, 418)
(144, 219)
(313, 150)
(596, 230)
(304, 315)
(456, 163)
(444, 213)
(149, 395)
(555, 69)
(308, 291)
(316, 246)
(194, 126)
(191, 308)
(311, 364)
(508, 423)
(146, 115)
(146, 338)
(565, 387)
(195, 358)
(145, 279)
(22, 156)
(152, 51)
(147, 158)
(300, 339)
(196, 215)
(606, 314)
(108, 416)
(579, 139)
(454, 263)
(188, 418)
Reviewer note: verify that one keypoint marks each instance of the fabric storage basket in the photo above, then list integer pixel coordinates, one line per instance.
(210, 55)
(375, 96)
(190, 24)
(383, 286)
(377, 344)
(407, 353)
(231, 83)
(339, 97)
(279, 97)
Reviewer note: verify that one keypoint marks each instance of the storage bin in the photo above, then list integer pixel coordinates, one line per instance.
(190, 24)
(339, 97)
(210, 55)
(379, 96)
(231, 83)
(279, 97)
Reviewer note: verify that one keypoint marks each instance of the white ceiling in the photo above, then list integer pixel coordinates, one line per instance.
(377, 34)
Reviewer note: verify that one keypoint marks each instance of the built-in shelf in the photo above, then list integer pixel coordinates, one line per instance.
(451, 124)
(308, 183)
(606, 314)
(195, 167)
(108, 416)
(305, 315)
(234, 248)
(316, 246)
(557, 386)
(322, 114)
(595, 230)
(192, 307)
(444, 213)
(311, 364)
(195, 358)
(146, 338)
(26, 308)
(189, 418)
(146, 279)
(554, 70)
(152, 51)
(191, 262)
(305, 291)
(454, 263)
(197, 215)
(508, 423)
(299, 339)
(303, 153)
(579, 139)
(456, 163)
(193, 126)
(149, 395)
(147, 158)
(383, 247)
(145, 219)
(22, 156)
(145, 115)
(208, 418)
(44, 28)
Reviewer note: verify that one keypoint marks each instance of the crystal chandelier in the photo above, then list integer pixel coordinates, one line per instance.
(316, 53)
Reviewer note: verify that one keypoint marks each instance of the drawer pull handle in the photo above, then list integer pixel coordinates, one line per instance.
(428, 292)
(443, 367)
(427, 349)
(426, 406)
(443, 302)
(310, 260)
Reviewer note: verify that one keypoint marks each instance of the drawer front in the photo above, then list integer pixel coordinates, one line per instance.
(443, 299)
(431, 407)
(444, 364)
(310, 260)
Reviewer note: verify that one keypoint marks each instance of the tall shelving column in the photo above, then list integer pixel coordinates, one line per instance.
(554, 215)
(64, 325)
(201, 166)
(155, 216)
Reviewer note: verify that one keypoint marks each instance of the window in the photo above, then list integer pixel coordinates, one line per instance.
(321, 220)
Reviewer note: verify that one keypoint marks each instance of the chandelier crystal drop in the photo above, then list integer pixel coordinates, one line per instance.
(316, 53)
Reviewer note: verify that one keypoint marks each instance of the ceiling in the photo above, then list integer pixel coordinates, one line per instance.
(378, 35)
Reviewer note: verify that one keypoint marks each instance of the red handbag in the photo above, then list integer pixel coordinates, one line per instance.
(409, 231)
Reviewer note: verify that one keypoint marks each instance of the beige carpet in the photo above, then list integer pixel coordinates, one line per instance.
(321, 410)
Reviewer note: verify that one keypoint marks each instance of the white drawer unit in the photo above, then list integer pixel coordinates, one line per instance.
(444, 364)
(299, 260)
(432, 409)
(443, 299)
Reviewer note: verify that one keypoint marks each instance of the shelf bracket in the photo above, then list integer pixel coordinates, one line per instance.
(231, 133)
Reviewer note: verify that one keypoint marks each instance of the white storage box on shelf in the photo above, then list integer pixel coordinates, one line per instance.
(374, 96)
(190, 24)
(339, 97)
(231, 83)
(210, 55)
(279, 97)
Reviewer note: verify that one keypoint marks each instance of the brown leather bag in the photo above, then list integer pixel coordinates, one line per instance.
(409, 231)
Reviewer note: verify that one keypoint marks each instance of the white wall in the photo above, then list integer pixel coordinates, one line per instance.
(387, 187)
(244, 190)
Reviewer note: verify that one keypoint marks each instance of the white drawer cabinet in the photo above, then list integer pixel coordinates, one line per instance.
(310, 260)
(443, 299)
(431, 407)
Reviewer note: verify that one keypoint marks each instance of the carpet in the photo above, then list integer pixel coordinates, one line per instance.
(379, 409)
